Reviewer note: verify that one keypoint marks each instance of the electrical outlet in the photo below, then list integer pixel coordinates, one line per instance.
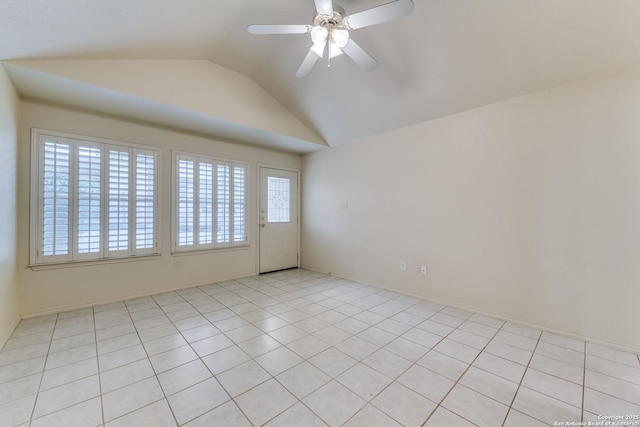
(423, 270)
(176, 263)
(403, 266)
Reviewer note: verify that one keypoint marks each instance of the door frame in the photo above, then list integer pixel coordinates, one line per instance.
(257, 211)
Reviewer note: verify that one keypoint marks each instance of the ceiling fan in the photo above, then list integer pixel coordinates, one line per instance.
(330, 31)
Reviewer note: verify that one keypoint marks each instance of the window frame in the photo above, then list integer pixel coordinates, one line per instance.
(195, 245)
(36, 214)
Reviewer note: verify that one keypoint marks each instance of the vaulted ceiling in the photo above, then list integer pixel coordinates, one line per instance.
(191, 65)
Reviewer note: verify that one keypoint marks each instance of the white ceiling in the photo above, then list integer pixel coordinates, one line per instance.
(447, 57)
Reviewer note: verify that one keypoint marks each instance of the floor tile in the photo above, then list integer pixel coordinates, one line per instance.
(459, 351)
(117, 343)
(87, 413)
(19, 388)
(17, 411)
(613, 354)
(197, 400)
(356, 348)
(125, 375)
(121, 357)
(332, 335)
(555, 387)
(334, 403)
(613, 386)
(557, 368)
(360, 355)
(443, 365)
(177, 379)
(265, 402)
(604, 404)
(509, 352)
(259, 345)
(278, 360)
(406, 349)
(429, 384)
(172, 358)
(475, 407)
(297, 415)
(376, 336)
(160, 345)
(308, 346)
(515, 340)
(387, 363)
(366, 382)
(370, 416)
(242, 378)
(404, 405)
(444, 417)
(333, 362)
(66, 395)
(490, 385)
(478, 329)
(287, 334)
(614, 369)
(501, 367)
(303, 379)
(69, 373)
(562, 341)
(130, 398)
(223, 360)
(560, 353)
(227, 415)
(544, 408)
(518, 419)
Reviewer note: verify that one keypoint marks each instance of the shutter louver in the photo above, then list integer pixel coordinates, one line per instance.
(89, 200)
(118, 214)
(185, 202)
(223, 204)
(205, 204)
(145, 202)
(239, 204)
(55, 228)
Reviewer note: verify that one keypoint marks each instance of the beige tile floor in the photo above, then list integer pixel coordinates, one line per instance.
(297, 348)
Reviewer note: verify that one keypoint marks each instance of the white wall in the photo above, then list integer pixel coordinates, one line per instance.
(53, 290)
(9, 107)
(528, 209)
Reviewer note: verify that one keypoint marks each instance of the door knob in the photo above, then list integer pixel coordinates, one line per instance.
(262, 225)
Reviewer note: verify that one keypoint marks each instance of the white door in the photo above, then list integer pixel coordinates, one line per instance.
(278, 219)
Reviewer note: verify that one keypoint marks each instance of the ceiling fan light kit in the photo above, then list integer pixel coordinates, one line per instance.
(330, 30)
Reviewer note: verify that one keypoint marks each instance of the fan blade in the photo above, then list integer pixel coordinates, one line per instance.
(307, 64)
(377, 15)
(359, 56)
(324, 7)
(278, 29)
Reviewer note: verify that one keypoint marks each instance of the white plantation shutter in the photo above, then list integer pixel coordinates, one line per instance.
(239, 204)
(89, 201)
(223, 204)
(118, 202)
(54, 190)
(186, 178)
(92, 199)
(209, 203)
(145, 197)
(205, 205)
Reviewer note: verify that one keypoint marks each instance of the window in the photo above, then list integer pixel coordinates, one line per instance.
(91, 199)
(209, 203)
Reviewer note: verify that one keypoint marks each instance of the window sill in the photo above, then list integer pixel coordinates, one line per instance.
(92, 262)
(210, 251)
